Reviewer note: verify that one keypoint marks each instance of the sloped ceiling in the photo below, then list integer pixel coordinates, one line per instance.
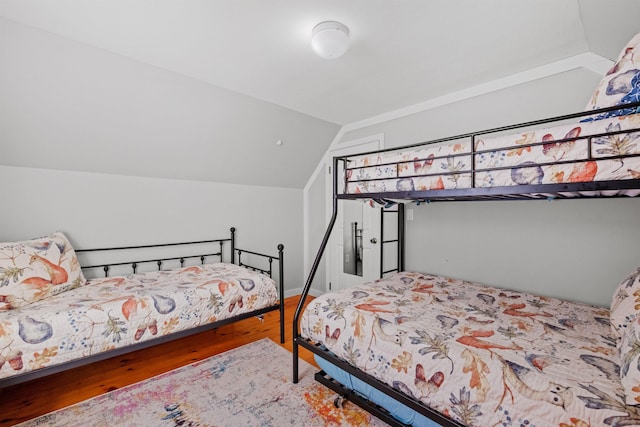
(608, 25)
(255, 55)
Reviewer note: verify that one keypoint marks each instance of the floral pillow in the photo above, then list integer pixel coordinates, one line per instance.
(621, 84)
(32, 270)
(629, 372)
(625, 310)
(625, 304)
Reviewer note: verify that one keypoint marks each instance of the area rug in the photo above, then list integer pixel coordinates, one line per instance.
(248, 386)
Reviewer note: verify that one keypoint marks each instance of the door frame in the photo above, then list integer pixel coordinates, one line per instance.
(369, 143)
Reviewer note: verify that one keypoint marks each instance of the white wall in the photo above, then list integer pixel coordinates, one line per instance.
(69, 106)
(598, 18)
(100, 210)
(558, 94)
(577, 249)
(316, 224)
(573, 249)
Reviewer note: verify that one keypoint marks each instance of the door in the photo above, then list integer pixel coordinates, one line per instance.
(354, 247)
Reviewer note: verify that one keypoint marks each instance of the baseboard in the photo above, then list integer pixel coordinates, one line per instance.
(298, 291)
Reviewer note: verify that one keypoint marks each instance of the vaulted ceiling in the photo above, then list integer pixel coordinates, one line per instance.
(402, 52)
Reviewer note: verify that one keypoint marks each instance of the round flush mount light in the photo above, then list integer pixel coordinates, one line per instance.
(330, 39)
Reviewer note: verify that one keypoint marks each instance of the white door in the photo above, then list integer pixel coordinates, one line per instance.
(354, 248)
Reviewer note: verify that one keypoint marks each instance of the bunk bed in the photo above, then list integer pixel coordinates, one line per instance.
(53, 319)
(419, 349)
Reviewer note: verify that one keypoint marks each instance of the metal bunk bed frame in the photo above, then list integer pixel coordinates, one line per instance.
(592, 189)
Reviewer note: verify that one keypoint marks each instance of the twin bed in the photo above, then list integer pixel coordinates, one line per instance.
(420, 349)
(53, 319)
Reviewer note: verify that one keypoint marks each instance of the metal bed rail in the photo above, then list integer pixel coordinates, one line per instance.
(471, 170)
(106, 267)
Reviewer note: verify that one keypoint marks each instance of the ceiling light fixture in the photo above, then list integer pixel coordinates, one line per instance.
(330, 39)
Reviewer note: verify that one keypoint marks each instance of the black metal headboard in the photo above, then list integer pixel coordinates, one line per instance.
(159, 261)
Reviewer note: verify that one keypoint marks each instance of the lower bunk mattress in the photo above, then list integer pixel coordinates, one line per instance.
(114, 312)
(482, 356)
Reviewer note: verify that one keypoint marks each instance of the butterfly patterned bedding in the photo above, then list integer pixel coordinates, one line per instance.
(577, 152)
(479, 355)
(114, 312)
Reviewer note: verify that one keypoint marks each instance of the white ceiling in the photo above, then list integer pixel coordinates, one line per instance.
(402, 52)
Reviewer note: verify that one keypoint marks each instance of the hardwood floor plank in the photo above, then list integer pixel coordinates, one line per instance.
(25, 401)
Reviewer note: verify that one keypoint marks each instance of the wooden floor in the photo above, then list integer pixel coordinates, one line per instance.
(25, 401)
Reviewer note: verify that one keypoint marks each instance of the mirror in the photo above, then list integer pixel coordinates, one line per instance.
(352, 238)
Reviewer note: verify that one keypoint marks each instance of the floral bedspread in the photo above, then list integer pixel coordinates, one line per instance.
(114, 312)
(582, 156)
(480, 355)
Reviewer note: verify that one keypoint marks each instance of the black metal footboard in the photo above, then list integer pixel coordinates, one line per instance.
(269, 272)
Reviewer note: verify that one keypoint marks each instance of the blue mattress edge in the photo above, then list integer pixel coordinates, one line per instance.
(398, 410)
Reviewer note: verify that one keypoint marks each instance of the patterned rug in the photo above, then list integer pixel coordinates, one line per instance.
(248, 386)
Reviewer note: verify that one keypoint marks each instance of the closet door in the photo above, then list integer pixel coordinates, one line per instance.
(354, 247)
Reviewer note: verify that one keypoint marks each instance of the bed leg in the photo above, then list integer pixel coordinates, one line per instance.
(295, 361)
(282, 323)
(281, 289)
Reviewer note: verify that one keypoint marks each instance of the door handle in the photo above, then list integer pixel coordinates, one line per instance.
(374, 240)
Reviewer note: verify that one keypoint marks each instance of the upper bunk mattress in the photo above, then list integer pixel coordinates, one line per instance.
(109, 313)
(562, 154)
(480, 355)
